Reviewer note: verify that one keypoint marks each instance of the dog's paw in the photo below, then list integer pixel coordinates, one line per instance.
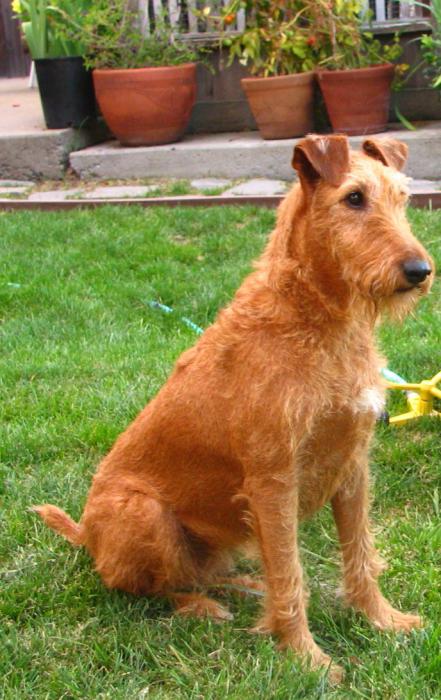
(335, 674)
(392, 619)
(385, 617)
(317, 660)
(313, 658)
(196, 605)
(263, 626)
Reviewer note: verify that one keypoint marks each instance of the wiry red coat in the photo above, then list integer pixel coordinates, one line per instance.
(270, 414)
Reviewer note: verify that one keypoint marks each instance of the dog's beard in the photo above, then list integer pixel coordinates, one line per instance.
(388, 296)
(400, 303)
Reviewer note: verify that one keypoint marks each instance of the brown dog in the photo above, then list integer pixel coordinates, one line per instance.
(270, 414)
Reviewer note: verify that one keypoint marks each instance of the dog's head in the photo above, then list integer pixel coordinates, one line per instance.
(353, 230)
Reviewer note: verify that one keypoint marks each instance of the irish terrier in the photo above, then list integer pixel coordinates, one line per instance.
(270, 414)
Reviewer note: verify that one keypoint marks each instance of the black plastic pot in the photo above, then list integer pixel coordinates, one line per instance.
(66, 91)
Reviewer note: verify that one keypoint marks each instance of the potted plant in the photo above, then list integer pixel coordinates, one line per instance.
(145, 83)
(277, 46)
(356, 71)
(65, 85)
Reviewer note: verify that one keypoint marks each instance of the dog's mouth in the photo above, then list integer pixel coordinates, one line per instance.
(401, 291)
(421, 288)
(404, 290)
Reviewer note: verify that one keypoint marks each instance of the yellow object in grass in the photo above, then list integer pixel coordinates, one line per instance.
(420, 398)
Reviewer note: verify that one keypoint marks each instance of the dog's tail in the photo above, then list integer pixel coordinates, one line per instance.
(59, 521)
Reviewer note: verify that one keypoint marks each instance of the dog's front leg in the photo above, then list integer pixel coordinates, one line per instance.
(273, 504)
(361, 562)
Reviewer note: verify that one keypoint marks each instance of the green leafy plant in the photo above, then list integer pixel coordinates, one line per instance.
(344, 41)
(41, 22)
(431, 44)
(299, 35)
(113, 38)
(278, 38)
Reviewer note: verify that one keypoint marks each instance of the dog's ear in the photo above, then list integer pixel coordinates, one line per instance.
(388, 151)
(322, 157)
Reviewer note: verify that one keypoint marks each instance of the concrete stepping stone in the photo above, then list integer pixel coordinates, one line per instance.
(258, 187)
(13, 190)
(54, 195)
(120, 191)
(209, 183)
(16, 183)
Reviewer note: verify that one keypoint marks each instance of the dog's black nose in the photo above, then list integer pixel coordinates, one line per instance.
(416, 270)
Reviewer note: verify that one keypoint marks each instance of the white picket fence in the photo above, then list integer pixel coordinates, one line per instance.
(181, 13)
(391, 10)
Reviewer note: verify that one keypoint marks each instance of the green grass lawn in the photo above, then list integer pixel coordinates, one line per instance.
(81, 353)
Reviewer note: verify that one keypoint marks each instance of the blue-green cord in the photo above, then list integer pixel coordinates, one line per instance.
(169, 310)
(391, 376)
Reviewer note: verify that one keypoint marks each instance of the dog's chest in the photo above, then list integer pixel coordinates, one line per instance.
(336, 444)
(369, 400)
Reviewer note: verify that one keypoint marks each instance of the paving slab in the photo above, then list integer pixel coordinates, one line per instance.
(238, 155)
(13, 190)
(249, 188)
(208, 183)
(54, 195)
(258, 186)
(120, 191)
(16, 183)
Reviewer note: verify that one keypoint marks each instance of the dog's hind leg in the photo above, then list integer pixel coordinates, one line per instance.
(361, 562)
(137, 542)
(140, 547)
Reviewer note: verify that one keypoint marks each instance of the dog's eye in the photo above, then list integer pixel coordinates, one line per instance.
(355, 199)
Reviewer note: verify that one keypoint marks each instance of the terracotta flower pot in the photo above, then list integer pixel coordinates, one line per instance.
(146, 106)
(282, 105)
(357, 100)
